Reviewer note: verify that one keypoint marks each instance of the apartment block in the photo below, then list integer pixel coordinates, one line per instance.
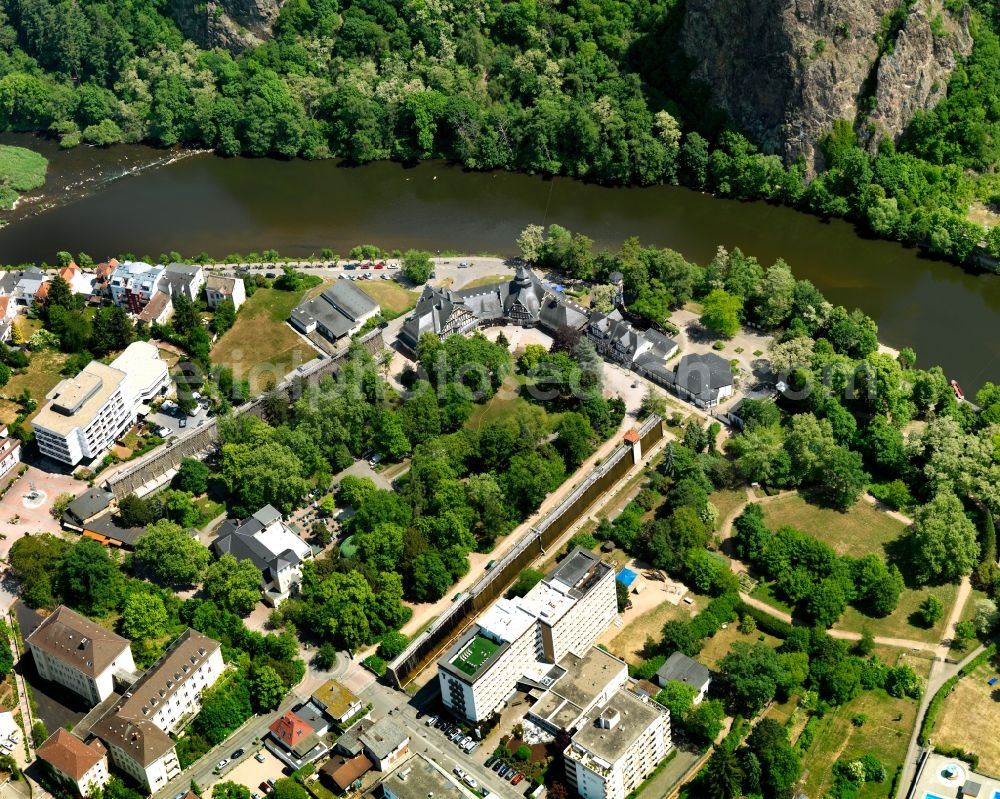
(137, 728)
(85, 414)
(133, 283)
(82, 766)
(617, 746)
(80, 655)
(523, 638)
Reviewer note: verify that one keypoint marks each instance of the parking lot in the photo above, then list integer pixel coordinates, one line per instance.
(174, 421)
(250, 772)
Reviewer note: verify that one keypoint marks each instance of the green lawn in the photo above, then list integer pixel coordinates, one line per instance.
(475, 654)
(261, 346)
(862, 530)
(718, 646)
(968, 717)
(897, 624)
(501, 404)
(727, 501)
(40, 377)
(837, 738)
(20, 170)
(389, 295)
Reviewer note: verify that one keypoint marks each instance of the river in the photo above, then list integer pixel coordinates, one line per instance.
(203, 202)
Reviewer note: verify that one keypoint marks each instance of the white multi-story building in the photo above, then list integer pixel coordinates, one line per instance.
(79, 654)
(136, 730)
(219, 288)
(147, 372)
(186, 279)
(85, 414)
(10, 451)
(525, 637)
(266, 541)
(618, 746)
(84, 766)
(133, 283)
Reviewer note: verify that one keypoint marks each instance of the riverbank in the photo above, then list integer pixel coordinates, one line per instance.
(220, 206)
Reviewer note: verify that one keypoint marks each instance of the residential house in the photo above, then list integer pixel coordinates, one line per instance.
(158, 310)
(85, 507)
(617, 746)
(10, 451)
(133, 284)
(88, 515)
(136, 729)
(8, 310)
(342, 773)
(102, 280)
(643, 351)
(341, 310)
(296, 738)
(28, 284)
(383, 742)
(337, 701)
(219, 288)
(80, 282)
(419, 777)
(186, 279)
(276, 551)
(523, 638)
(80, 655)
(704, 379)
(81, 766)
(680, 668)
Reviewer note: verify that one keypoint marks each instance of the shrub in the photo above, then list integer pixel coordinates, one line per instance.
(523, 752)
(374, 664)
(392, 645)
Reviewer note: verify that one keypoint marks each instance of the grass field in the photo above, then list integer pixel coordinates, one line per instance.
(897, 624)
(20, 170)
(718, 646)
(261, 346)
(633, 635)
(500, 405)
(884, 734)
(727, 501)
(389, 295)
(862, 530)
(968, 718)
(39, 378)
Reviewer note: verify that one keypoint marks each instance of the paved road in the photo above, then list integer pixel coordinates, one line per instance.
(245, 738)
(427, 740)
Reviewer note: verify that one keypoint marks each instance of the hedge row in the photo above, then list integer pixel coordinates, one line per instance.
(930, 717)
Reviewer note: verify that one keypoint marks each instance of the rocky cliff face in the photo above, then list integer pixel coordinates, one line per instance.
(785, 70)
(233, 25)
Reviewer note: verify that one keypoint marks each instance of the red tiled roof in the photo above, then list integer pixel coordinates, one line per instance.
(69, 754)
(632, 436)
(43, 291)
(290, 729)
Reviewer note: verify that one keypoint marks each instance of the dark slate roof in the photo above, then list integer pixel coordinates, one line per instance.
(238, 540)
(557, 313)
(105, 525)
(312, 716)
(8, 279)
(338, 308)
(89, 504)
(704, 375)
(188, 270)
(680, 668)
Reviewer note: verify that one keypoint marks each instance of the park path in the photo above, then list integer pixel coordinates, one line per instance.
(893, 514)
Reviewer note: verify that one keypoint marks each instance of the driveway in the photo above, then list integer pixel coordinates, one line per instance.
(172, 421)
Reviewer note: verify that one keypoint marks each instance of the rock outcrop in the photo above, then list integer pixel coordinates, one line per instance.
(785, 70)
(233, 25)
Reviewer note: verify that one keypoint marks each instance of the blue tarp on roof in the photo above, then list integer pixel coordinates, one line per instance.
(626, 577)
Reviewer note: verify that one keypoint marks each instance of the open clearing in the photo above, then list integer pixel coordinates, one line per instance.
(968, 718)
(39, 378)
(261, 346)
(718, 646)
(897, 624)
(727, 501)
(389, 295)
(885, 733)
(862, 530)
(628, 643)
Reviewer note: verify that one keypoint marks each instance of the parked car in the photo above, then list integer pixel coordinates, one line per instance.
(459, 773)
(180, 795)
(222, 764)
(471, 747)
(469, 780)
(517, 778)
(259, 757)
(265, 788)
(237, 754)
(497, 766)
(431, 720)
(182, 423)
(464, 741)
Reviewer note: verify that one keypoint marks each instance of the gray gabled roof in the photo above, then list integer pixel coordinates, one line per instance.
(239, 541)
(680, 668)
(89, 504)
(703, 375)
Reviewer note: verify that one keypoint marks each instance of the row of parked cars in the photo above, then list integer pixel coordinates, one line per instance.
(504, 771)
(454, 733)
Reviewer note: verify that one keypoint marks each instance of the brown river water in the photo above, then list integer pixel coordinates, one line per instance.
(144, 201)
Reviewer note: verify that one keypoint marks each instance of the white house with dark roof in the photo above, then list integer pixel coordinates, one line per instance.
(705, 379)
(341, 310)
(680, 668)
(27, 286)
(219, 288)
(183, 279)
(276, 551)
(79, 654)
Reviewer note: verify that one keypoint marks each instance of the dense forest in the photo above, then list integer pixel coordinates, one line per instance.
(597, 90)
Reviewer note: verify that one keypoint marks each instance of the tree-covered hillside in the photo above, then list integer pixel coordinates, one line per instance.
(589, 88)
